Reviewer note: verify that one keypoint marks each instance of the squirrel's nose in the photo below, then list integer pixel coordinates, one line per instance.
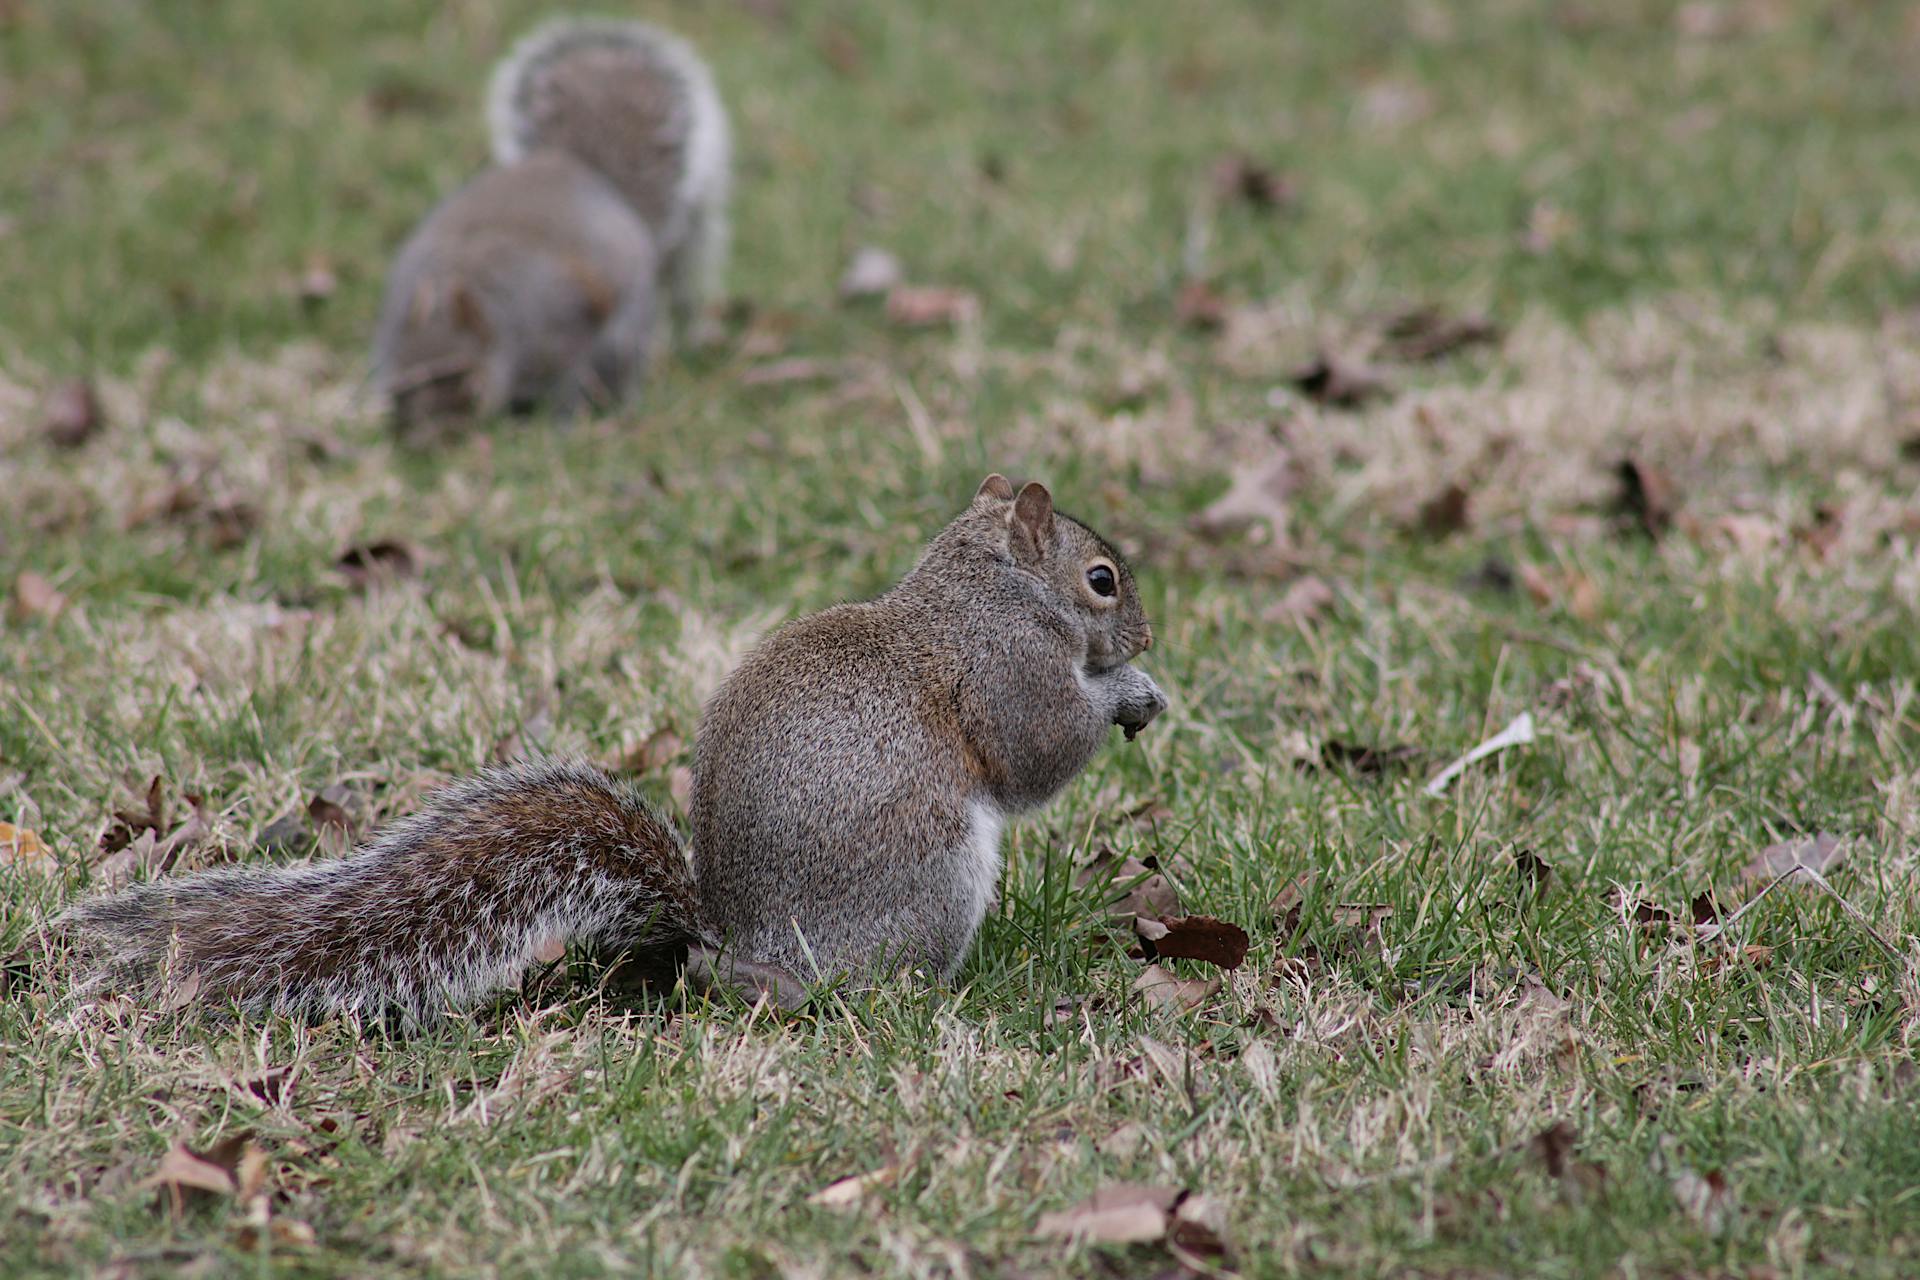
(1146, 639)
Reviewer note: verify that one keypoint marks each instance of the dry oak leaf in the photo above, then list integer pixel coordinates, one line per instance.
(1646, 496)
(1163, 990)
(21, 847)
(1199, 305)
(1367, 760)
(383, 560)
(1638, 911)
(660, 748)
(1194, 938)
(186, 1176)
(72, 414)
(1338, 381)
(1446, 512)
(337, 806)
(1257, 495)
(35, 597)
(1240, 177)
(1427, 333)
(848, 1192)
(1124, 1213)
(1139, 888)
(1816, 853)
(1305, 599)
(929, 306)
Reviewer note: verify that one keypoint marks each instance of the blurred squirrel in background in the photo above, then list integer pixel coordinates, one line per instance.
(537, 284)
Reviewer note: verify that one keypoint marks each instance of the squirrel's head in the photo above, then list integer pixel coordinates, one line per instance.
(1081, 571)
(436, 360)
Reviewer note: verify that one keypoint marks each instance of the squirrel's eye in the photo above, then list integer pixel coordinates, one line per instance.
(1100, 578)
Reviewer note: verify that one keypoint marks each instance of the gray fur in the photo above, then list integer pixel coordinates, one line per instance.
(841, 771)
(537, 283)
(639, 104)
(851, 780)
(531, 284)
(440, 910)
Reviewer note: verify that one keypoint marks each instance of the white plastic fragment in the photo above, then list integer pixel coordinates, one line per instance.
(1518, 733)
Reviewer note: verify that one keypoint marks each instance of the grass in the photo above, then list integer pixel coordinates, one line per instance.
(1699, 230)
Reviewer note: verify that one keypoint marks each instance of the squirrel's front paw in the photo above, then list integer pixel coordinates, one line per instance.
(1143, 701)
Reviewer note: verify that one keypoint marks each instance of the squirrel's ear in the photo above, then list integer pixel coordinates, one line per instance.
(1030, 523)
(995, 486)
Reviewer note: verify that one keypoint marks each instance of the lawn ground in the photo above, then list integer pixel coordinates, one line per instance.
(1664, 503)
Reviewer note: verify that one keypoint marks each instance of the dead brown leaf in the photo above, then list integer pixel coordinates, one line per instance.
(288, 836)
(1368, 760)
(165, 499)
(20, 847)
(1565, 588)
(1362, 917)
(1551, 1146)
(1194, 938)
(1169, 992)
(35, 597)
(366, 564)
(1124, 1213)
(1533, 871)
(1707, 1198)
(143, 836)
(1287, 903)
(1066, 1010)
(1647, 496)
(849, 1192)
(1258, 495)
(1138, 888)
(1748, 534)
(1640, 912)
(1241, 178)
(1339, 382)
(147, 813)
(1198, 1230)
(930, 306)
(1199, 305)
(337, 808)
(72, 414)
(660, 749)
(186, 1176)
(1816, 853)
(1305, 599)
(1446, 512)
(1420, 334)
(1755, 954)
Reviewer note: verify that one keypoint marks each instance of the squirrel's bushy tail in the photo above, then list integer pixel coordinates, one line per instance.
(438, 911)
(637, 104)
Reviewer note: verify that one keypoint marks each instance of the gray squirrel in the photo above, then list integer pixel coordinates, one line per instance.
(851, 780)
(536, 283)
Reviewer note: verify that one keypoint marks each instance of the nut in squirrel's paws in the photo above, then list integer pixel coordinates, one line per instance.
(1139, 710)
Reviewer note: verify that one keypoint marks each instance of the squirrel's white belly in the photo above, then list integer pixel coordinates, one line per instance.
(980, 860)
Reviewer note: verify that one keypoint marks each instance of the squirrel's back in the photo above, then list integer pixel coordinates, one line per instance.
(631, 100)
